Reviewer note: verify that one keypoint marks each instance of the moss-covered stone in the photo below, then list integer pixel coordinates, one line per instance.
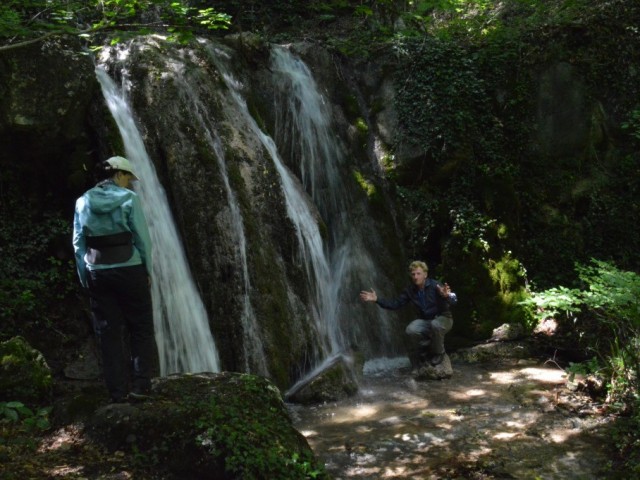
(224, 426)
(24, 373)
(336, 381)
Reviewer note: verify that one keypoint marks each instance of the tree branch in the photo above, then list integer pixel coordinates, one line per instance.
(24, 43)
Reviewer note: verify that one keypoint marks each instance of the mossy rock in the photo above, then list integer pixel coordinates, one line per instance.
(335, 381)
(24, 373)
(224, 426)
(495, 351)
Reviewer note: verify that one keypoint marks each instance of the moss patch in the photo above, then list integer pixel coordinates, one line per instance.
(24, 373)
(211, 425)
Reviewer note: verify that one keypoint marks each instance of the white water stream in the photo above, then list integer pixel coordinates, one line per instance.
(311, 248)
(252, 340)
(316, 184)
(185, 343)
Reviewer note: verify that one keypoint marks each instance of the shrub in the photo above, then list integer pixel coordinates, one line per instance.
(606, 313)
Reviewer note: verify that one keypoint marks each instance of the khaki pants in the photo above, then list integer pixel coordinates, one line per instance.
(426, 337)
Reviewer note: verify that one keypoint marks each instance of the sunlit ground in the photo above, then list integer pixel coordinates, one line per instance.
(502, 422)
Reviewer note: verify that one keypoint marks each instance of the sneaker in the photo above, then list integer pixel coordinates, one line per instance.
(437, 359)
(139, 395)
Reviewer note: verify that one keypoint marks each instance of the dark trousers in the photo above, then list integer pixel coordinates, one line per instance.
(121, 303)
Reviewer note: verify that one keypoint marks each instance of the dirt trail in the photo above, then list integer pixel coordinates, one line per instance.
(500, 420)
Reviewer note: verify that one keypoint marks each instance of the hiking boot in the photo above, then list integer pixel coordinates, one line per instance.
(140, 395)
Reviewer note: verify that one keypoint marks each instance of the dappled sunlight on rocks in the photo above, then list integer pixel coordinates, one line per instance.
(505, 435)
(474, 392)
(506, 378)
(64, 471)
(358, 412)
(546, 375)
(501, 417)
(309, 433)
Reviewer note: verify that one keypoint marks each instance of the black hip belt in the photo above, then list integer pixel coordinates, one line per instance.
(108, 249)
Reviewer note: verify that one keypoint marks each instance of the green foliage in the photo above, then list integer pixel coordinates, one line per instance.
(34, 284)
(632, 125)
(626, 438)
(17, 412)
(22, 21)
(606, 311)
(367, 187)
(470, 227)
(249, 443)
(19, 424)
(440, 96)
(479, 19)
(24, 373)
(588, 367)
(467, 114)
(39, 289)
(423, 213)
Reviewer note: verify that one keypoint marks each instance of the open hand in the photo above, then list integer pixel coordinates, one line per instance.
(445, 290)
(366, 296)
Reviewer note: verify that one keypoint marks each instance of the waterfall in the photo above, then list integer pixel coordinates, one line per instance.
(305, 125)
(184, 339)
(253, 347)
(312, 251)
(265, 186)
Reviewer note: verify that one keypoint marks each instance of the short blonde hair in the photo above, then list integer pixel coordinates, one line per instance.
(418, 264)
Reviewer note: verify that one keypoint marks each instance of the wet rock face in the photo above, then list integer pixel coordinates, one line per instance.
(223, 426)
(46, 93)
(226, 192)
(204, 152)
(335, 382)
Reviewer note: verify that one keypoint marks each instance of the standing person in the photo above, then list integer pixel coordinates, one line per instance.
(113, 257)
(433, 301)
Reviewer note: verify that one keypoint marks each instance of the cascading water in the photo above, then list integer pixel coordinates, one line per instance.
(253, 347)
(184, 339)
(324, 310)
(278, 232)
(305, 126)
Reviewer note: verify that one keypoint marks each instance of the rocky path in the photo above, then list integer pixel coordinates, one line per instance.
(498, 420)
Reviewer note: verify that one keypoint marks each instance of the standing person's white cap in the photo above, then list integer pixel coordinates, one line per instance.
(121, 163)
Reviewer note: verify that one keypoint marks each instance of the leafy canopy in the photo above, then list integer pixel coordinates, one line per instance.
(27, 21)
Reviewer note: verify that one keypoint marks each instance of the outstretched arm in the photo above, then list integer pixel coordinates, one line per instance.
(366, 296)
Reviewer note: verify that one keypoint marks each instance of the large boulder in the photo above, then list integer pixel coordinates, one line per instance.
(222, 426)
(25, 375)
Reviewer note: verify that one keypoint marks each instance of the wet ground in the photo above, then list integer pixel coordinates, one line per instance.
(500, 420)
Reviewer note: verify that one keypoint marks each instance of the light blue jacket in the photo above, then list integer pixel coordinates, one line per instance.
(104, 210)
